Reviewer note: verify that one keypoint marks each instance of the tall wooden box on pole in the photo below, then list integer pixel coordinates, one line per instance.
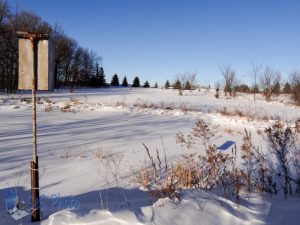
(45, 64)
(36, 72)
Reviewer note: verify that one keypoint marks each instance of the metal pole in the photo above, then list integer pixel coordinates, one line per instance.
(35, 215)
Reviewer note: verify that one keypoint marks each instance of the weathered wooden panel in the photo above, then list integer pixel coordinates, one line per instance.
(46, 57)
(25, 64)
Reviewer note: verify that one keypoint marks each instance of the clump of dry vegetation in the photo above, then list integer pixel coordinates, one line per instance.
(143, 104)
(184, 107)
(246, 112)
(121, 103)
(99, 154)
(67, 153)
(48, 107)
(282, 142)
(69, 106)
(218, 171)
(228, 131)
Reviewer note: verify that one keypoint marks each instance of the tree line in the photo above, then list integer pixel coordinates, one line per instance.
(265, 80)
(74, 65)
(77, 66)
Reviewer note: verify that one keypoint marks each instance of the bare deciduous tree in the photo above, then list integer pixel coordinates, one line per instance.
(229, 78)
(255, 74)
(4, 10)
(268, 79)
(192, 78)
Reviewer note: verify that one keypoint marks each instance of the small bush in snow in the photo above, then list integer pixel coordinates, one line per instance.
(281, 140)
(184, 107)
(121, 103)
(66, 154)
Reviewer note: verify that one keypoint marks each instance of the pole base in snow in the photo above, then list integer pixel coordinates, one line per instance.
(35, 193)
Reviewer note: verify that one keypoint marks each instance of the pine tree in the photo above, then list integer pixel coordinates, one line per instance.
(100, 77)
(136, 82)
(156, 85)
(276, 89)
(115, 80)
(102, 80)
(187, 86)
(146, 84)
(177, 85)
(287, 88)
(167, 84)
(217, 92)
(125, 83)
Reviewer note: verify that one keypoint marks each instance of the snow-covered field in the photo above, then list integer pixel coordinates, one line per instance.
(76, 130)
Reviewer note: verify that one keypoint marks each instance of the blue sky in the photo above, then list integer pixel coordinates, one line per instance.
(158, 39)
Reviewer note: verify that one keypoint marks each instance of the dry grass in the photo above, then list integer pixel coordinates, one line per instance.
(48, 107)
(121, 103)
(246, 112)
(228, 131)
(66, 154)
(184, 107)
(50, 101)
(74, 101)
(68, 107)
(112, 164)
(186, 174)
(99, 154)
(143, 104)
(145, 176)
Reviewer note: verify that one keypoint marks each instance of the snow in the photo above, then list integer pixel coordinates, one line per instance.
(74, 127)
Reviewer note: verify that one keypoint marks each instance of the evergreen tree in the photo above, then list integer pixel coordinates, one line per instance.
(217, 92)
(177, 85)
(102, 80)
(115, 80)
(146, 85)
(99, 77)
(167, 84)
(276, 89)
(187, 86)
(136, 82)
(156, 85)
(287, 88)
(125, 83)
